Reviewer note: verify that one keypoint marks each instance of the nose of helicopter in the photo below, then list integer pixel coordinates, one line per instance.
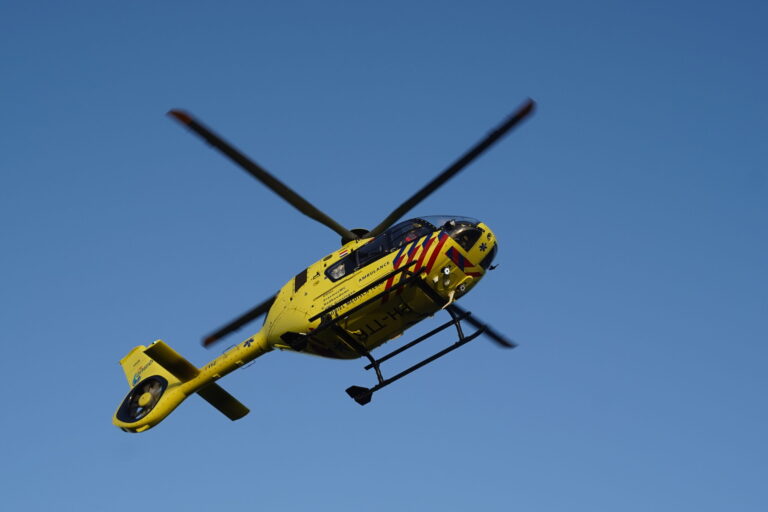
(468, 260)
(475, 238)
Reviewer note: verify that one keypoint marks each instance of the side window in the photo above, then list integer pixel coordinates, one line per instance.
(366, 254)
(373, 250)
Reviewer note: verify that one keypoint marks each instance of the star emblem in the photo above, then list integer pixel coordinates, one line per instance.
(483, 247)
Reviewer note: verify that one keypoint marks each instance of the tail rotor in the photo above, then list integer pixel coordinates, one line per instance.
(142, 399)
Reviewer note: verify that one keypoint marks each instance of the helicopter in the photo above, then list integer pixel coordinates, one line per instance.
(379, 283)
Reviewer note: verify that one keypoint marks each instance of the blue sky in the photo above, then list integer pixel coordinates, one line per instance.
(631, 212)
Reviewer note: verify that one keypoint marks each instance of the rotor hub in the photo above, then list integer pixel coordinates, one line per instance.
(145, 399)
(359, 232)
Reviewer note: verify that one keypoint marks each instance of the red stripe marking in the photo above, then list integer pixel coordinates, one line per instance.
(411, 256)
(423, 255)
(443, 238)
(395, 265)
(454, 255)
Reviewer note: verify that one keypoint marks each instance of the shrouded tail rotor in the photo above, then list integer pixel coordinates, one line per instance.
(142, 399)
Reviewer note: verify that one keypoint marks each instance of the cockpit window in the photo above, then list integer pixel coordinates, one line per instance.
(373, 250)
(465, 235)
(462, 229)
(390, 240)
(441, 220)
(408, 231)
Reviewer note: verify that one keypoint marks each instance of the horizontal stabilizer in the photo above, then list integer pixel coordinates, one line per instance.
(228, 405)
(172, 361)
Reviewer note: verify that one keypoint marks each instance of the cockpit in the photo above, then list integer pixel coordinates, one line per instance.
(464, 230)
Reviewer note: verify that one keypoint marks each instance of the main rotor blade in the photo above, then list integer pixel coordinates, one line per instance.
(260, 174)
(240, 321)
(457, 166)
(477, 324)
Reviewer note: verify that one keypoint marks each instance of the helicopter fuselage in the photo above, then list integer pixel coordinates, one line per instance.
(364, 288)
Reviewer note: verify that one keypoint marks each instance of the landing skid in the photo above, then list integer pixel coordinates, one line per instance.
(363, 395)
(330, 320)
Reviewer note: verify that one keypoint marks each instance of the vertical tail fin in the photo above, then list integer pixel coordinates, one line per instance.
(137, 364)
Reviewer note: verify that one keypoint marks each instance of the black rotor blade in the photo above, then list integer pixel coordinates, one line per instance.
(477, 324)
(260, 174)
(240, 321)
(457, 166)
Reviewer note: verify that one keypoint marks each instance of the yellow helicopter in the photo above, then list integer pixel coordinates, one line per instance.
(377, 285)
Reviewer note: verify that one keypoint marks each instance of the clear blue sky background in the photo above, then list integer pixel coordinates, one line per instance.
(631, 212)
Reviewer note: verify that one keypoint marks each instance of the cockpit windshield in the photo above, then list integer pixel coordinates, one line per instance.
(439, 221)
(408, 231)
(392, 239)
(462, 229)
